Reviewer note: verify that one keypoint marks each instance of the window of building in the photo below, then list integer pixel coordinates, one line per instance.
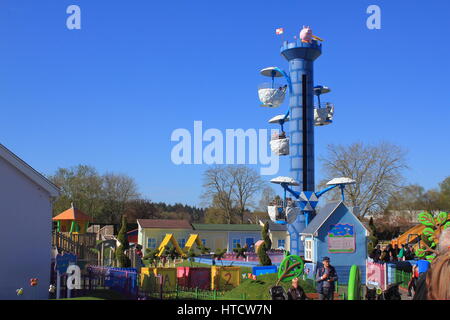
(204, 242)
(309, 249)
(151, 243)
(281, 243)
(235, 242)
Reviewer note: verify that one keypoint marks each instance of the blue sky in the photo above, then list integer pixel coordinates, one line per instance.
(110, 95)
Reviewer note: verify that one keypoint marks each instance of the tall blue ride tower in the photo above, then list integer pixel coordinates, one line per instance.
(301, 56)
(300, 78)
(302, 116)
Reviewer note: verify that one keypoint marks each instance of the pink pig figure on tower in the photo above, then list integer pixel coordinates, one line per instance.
(306, 34)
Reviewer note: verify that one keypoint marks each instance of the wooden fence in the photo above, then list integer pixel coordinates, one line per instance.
(69, 244)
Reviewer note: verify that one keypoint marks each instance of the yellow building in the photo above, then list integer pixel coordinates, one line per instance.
(151, 232)
(227, 236)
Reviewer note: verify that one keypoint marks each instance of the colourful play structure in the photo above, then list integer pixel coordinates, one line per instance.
(72, 220)
(169, 238)
(411, 235)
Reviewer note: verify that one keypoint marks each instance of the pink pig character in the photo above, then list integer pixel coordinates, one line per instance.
(306, 34)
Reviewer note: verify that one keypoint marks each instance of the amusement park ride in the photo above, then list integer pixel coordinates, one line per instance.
(302, 117)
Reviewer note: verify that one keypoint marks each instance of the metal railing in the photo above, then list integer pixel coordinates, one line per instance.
(402, 277)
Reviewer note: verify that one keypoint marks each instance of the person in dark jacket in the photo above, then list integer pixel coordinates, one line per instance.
(421, 291)
(326, 277)
(296, 292)
(407, 254)
(384, 257)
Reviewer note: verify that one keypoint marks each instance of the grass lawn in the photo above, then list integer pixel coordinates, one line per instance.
(100, 295)
(259, 289)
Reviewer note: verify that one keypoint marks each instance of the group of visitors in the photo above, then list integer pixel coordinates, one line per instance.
(391, 253)
(430, 281)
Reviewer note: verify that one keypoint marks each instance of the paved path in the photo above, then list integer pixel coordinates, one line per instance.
(404, 294)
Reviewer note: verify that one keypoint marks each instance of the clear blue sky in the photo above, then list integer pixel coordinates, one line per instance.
(110, 95)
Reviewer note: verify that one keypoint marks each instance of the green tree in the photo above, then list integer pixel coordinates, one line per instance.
(191, 255)
(203, 249)
(372, 227)
(240, 251)
(263, 257)
(122, 259)
(172, 253)
(372, 238)
(218, 255)
(151, 256)
(103, 197)
(80, 185)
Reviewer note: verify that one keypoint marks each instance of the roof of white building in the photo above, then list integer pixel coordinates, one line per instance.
(29, 172)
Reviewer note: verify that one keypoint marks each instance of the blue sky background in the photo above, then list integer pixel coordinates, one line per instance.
(110, 95)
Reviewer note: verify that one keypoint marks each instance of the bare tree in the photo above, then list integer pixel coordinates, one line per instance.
(377, 170)
(118, 190)
(219, 185)
(267, 195)
(406, 202)
(248, 183)
(231, 189)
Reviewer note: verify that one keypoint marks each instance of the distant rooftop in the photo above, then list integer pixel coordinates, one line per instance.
(164, 224)
(72, 214)
(226, 227)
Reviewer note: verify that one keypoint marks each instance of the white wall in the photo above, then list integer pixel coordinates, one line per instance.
(25, 235)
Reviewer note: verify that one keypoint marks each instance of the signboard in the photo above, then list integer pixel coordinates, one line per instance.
(376, 275)
(63, 261)
(168, 276)
(341, 238)
(196, 277)
(225, 278)
(200, 278)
